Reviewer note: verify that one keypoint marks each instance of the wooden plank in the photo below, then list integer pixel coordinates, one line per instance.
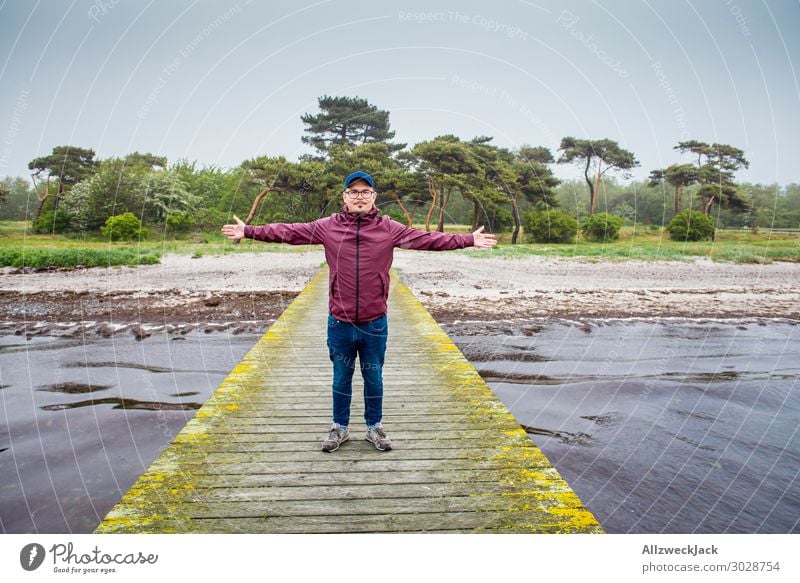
(303, 449)
(412, 438)
(247, 426)
(566, 520)
(250, 461)
(235, 492)
(230, 454)
(322, 417)
(359, 507)
(161, 486)
(200, 466)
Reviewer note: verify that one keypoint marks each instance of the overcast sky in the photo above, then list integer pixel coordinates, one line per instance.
(221, 82)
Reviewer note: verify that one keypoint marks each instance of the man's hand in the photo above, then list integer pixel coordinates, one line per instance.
(483, 240)
(234, 232)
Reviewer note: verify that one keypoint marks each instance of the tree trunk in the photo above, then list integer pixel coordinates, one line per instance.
(39, 209)
(41, 200)
(476, 209)
(515, 214)
(257, 202)
(707, 205)
(434, 197)
(678, 193)
(442, 207)
(402, 207)
(594, 193)
(413, 212)
(254, 206)
(59, 192)
(589, 183)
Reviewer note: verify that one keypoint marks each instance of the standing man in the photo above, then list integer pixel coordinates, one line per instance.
(359, 247)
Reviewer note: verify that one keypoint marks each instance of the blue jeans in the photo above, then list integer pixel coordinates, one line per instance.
(368, 340)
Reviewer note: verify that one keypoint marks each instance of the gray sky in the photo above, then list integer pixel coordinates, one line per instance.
(221, 82)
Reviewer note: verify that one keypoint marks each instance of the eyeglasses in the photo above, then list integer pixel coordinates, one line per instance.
(359, 193)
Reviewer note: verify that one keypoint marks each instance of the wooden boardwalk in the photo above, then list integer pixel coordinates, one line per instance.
(249, 461)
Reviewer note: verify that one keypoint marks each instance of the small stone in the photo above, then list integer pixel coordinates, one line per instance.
(139, 333)
(105, 330)
(212, 301)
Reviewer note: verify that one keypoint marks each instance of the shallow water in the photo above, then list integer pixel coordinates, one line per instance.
(671, 426)
(82, 418)
(659, 427)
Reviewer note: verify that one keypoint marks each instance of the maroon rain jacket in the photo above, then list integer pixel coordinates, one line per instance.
(359, 251)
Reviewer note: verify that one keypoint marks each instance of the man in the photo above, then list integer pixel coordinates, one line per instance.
(359, 246)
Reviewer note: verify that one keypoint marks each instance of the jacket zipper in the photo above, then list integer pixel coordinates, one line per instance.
(358, 229)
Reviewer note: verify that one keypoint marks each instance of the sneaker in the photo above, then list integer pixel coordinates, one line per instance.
(378, 438)
(336, 437)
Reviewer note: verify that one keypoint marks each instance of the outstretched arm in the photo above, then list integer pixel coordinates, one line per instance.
(311, 233)
(411, 238)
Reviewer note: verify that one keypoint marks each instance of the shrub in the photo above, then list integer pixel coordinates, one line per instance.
(124, 227)
(179, 223)
(208, 218)
(601, 227)
(551, 226)
(690, 225)
(503, 221)
(52, 222)
(396, 213)
(496, 219)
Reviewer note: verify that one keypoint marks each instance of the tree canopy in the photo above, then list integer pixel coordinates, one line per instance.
(716, 174)
(598, 157)
(349, 121)
(67, 165)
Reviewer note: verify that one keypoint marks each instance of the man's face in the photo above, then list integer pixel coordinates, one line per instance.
(356, 197)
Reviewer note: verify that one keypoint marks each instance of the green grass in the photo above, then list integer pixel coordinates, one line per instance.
(17, 245)
(655, 245)
(44, 258)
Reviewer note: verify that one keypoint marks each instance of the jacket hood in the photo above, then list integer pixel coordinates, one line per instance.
(365, 217)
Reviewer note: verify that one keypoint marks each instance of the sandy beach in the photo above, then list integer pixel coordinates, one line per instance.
(248, 290)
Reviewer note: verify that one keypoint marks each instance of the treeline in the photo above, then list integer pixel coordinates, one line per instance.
(769, 205)
(435, 182)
